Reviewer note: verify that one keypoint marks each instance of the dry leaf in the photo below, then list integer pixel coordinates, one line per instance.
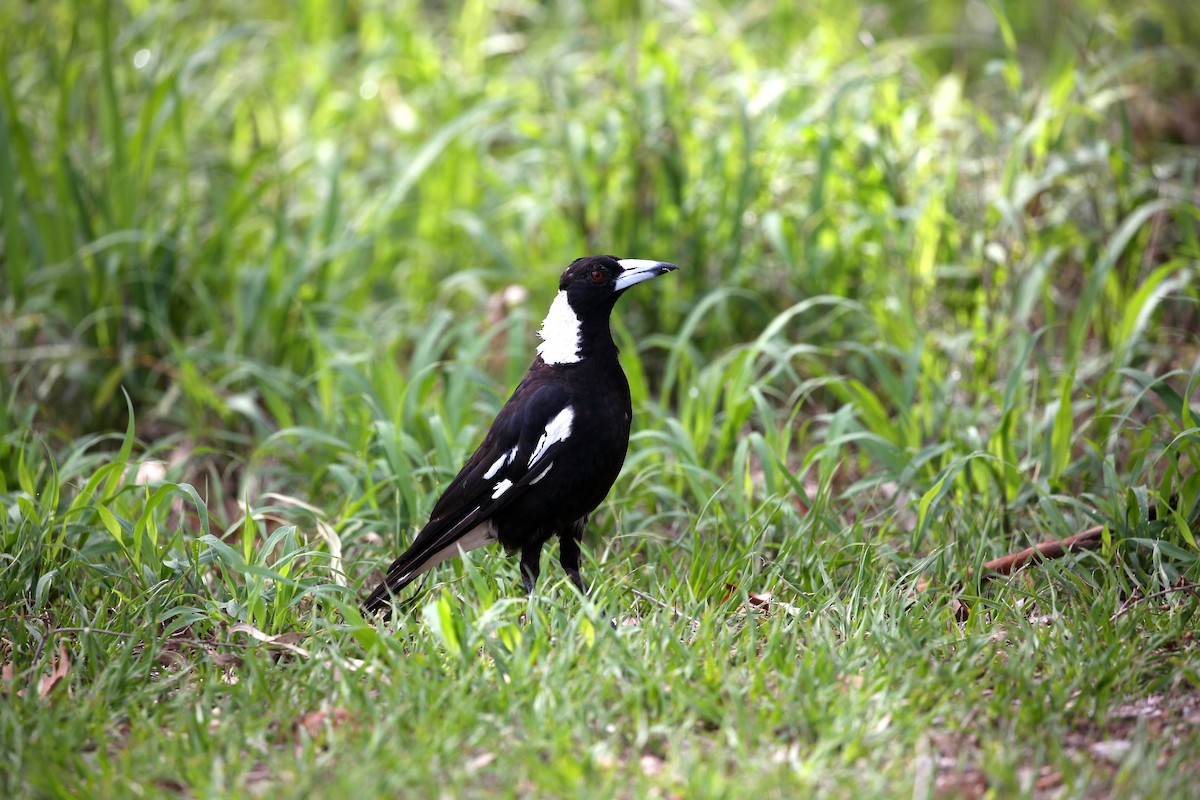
(284, 641)
(962, 611)
(171, 656)
(760, 600)
(480, 761)
(651, 765)
(1048, 779)
(764, 601)
(222, 659)
(313, 723)
(60, 665)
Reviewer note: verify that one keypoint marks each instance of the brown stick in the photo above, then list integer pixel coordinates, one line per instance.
(1090, 539)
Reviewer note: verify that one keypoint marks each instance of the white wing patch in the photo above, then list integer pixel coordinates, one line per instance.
(500, 462)
(557, 430)
(501, 487)
(560, 333)
(544, 473)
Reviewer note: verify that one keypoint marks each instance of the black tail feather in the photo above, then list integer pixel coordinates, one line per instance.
(434, 539)
(403, 571)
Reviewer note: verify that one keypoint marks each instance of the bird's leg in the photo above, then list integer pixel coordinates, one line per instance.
(531, 566)
(568, 554)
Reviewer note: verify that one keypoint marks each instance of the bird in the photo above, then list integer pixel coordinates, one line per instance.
(555, 448)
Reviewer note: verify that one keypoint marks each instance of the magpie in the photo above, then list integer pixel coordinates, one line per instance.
(555, 448)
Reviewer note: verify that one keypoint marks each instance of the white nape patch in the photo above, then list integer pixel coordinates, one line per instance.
(560, 333)
(481, 534)
(557, 430)
(500, 462)
(544, 473)
(501, 487)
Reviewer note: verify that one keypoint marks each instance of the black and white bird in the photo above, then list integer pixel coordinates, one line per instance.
(556, 446)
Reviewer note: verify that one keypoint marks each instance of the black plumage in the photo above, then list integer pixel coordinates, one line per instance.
(553, 451)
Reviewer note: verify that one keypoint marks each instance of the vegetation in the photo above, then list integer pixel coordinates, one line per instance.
(269, 269)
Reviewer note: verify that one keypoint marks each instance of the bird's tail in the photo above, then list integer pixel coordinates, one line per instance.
(389, 587)
(420, 558)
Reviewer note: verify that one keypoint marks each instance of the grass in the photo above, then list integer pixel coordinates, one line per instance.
(269, 269)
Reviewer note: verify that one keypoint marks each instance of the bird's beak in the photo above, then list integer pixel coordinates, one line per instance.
(636, 270)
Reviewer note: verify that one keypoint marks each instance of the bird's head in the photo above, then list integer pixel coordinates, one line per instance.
(587, 291)
(600, 280)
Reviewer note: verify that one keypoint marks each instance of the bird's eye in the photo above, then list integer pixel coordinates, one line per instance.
(597, 276)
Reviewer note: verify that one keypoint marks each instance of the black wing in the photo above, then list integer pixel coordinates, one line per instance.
(517, 452)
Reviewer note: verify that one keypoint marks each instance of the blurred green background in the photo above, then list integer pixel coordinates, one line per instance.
(211, 198)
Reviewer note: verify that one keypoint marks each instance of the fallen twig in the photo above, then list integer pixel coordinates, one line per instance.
(1090, 539)
(1133, 601)
(661, 604)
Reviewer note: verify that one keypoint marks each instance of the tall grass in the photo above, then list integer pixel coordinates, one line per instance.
(268, 271)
